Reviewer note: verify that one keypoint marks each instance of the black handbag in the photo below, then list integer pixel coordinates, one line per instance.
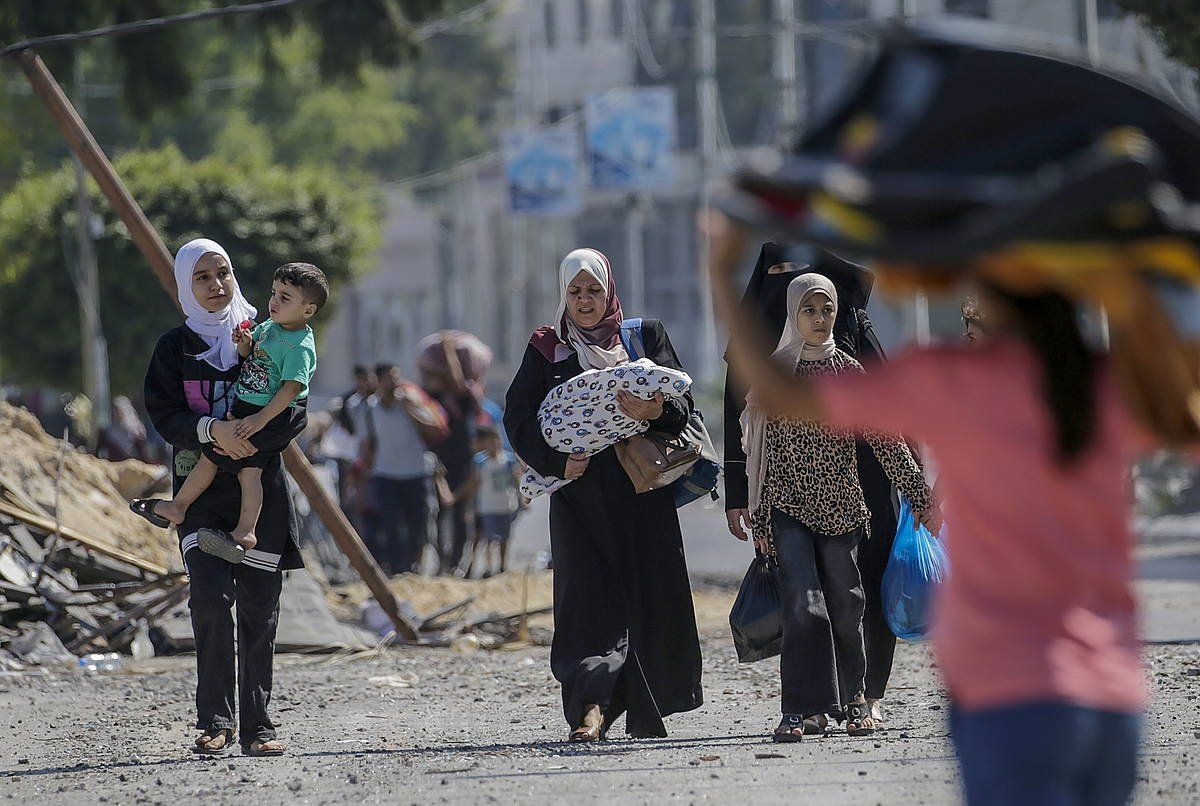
(756, 618)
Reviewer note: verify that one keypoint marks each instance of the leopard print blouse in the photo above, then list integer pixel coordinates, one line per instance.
(812, 471)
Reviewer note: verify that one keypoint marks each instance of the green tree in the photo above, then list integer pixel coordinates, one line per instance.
(391, 121)
(263, 214)
(158, 68)
(1176, 23)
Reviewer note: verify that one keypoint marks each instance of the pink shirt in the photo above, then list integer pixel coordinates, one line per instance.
(1038, 605)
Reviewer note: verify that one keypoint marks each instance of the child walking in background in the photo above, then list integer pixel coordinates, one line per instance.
(496, 480)
(279, 359)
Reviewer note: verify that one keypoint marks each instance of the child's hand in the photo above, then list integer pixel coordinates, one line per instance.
(248, 426)
(242, 338)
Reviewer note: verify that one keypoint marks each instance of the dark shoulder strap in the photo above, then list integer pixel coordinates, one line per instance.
(869, 347)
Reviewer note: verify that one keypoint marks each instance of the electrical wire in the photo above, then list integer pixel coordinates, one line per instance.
(421, 32)
(153, 24)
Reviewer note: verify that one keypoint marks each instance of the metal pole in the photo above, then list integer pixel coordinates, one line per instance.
(1089, 29)
(93, 351)
(706, 91)
(785, 69)
(635, 243)
(84, 146)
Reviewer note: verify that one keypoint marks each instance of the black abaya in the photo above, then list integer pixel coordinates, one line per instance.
(624, 626)
(766, 295)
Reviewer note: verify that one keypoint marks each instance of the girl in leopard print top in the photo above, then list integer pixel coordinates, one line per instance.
(811, 470)
(808, 512)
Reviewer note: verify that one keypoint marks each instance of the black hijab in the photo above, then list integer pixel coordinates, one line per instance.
(766, 292)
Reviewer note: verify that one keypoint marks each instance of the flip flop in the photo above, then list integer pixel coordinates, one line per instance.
(200, 749)
(220, 544)
(255, 749)
(144, 508)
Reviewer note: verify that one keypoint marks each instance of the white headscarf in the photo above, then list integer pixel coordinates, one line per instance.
(792, 349)
(216, 328)
(598, 347)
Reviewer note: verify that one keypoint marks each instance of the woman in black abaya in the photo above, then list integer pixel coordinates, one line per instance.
(766, 295)
(624, 627)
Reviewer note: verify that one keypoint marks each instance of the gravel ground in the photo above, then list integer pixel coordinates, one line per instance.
(487, 727)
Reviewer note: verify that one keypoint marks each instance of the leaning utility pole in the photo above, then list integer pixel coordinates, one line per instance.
(85, 148)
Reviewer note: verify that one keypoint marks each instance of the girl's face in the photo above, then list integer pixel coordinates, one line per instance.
(212, 282)
(815, 318)
(586, 300)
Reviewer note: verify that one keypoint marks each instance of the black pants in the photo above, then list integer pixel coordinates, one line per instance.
(823, 663)
(873, 555)
(216, 587)
(398, 525)
(453, 530)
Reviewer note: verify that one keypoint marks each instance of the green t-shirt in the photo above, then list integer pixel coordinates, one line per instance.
(279, 355)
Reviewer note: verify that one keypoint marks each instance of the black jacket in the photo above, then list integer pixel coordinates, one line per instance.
(179, 390)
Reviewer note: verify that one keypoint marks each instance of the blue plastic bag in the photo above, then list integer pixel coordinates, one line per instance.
(917, 566)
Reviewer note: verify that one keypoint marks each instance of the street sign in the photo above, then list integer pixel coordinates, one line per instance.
(542, 171)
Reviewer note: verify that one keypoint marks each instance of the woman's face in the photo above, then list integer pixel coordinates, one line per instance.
(815, 318)
(586, 300)
(212, 282)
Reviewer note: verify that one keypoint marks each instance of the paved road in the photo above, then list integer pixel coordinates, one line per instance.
(1169, 574)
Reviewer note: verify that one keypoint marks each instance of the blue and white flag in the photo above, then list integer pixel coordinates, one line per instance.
(542, 171)
(631, 137)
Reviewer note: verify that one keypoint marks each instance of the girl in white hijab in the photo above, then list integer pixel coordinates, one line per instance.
(216, 328)
(808, 511)
(792, 349)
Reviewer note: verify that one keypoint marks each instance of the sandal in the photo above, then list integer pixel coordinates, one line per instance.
(876, 712)
(858, 719)
(816, 725)
(261, 748)
(791, 728)
(220, 544)
(144, 508)
(593, 726)
(204, 742)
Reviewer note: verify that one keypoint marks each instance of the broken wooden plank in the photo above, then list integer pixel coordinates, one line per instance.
(47, 525)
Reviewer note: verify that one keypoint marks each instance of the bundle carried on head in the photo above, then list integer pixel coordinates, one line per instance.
(474, 356)
(958, 154)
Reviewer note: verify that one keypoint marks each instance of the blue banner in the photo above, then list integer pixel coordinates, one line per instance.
(631, 138)
(542, 171)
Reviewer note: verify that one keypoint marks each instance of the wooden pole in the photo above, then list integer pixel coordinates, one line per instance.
(155, 251)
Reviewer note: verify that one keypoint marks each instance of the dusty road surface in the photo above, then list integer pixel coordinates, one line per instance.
(486, 727)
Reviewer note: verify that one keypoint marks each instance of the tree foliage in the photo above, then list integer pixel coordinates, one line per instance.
(264, 216)
(390, 121)
(1176, 23)
(158, 68)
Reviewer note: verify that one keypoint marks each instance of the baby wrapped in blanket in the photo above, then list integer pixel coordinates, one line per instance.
(581, 416)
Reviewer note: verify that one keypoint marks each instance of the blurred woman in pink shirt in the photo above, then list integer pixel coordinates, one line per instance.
(1035, 629)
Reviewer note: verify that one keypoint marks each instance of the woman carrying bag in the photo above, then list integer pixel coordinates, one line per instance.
(807, 510)
(625, 632)
(766, 295)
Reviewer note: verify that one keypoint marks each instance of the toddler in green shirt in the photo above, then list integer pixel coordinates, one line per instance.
(280, 357)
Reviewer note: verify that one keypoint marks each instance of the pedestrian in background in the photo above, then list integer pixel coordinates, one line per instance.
(397, 421)
(495, 483)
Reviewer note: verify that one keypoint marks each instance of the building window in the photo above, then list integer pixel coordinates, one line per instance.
(969, 8)
(549, 22)
(585, 21)
(617, 13)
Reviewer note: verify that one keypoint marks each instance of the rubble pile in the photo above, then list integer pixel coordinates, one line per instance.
(78, 571)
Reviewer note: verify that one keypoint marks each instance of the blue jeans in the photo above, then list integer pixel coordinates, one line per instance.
(1046, 754)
